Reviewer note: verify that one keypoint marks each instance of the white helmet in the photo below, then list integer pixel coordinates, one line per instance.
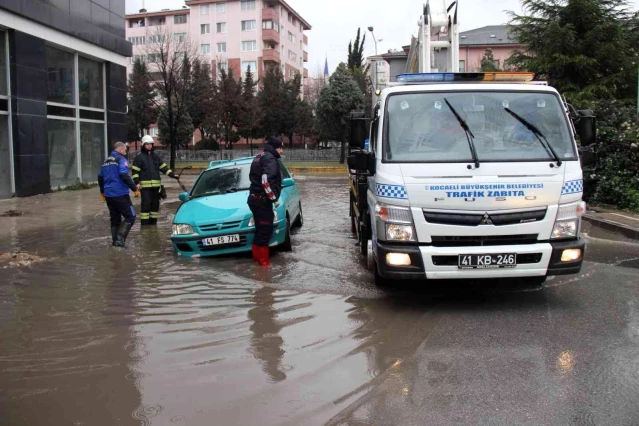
(147, 139)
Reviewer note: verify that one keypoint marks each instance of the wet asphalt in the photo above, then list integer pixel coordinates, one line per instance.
(100, 336)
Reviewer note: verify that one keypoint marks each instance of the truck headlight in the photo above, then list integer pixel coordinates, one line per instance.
(393, 214)
(568, 220)
(395, 232)
(181, 229)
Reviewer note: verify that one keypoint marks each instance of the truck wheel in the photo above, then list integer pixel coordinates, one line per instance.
(379, 280)
(370, 256)
(353, 224)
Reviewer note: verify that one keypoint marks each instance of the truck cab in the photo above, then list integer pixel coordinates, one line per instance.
(470, 176)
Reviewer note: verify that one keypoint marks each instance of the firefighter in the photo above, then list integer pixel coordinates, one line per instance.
(266, 184)
(115, 182)
(146, 175)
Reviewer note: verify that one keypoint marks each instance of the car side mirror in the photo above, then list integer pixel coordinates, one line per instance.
(184, 196)
(586, 126)
(288, 182)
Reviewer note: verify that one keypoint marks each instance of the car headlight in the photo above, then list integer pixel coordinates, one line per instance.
(251, 221)
(568, 220)
(181, 229)
(395, 232)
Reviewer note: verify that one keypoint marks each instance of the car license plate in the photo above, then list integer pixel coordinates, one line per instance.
(487, 261)
(224, 239)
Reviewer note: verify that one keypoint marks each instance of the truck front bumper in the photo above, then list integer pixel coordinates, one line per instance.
(427, 261)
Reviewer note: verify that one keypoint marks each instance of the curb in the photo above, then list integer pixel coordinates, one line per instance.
(318, 169)
(615, 227)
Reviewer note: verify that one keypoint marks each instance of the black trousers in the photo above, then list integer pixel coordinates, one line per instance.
(120, 207)
(150, 205)
(262, 210)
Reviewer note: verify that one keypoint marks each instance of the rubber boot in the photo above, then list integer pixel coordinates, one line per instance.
(264, 257)
(256, 253)
(153, 221)
(114, 233)
(144, 222)
(123, 232)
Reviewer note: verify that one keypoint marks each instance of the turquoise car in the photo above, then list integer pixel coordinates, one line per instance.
(214, 218)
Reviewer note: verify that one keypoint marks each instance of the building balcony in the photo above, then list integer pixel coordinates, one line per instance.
(271, 56)
(270, 14)
(305, 56)
(271, 36)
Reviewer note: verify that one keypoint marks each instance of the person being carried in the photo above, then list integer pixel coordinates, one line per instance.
(115, 183)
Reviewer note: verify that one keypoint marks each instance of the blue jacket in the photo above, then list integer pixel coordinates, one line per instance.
(114, 179)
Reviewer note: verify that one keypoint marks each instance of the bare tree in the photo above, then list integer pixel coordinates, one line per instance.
(170, 59)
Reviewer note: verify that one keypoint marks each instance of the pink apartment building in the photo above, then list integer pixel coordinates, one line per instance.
(237, 34)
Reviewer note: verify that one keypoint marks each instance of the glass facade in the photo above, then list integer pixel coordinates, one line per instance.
(77, 133)
(60, 76)
(3, 64)
(6, 172)
(63, 163)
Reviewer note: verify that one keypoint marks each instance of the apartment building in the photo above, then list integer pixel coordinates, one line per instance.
(236, 34)
(62, 91)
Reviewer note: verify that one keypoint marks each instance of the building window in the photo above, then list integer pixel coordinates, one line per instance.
(90, 83)
(136, 58)
(462, 66)
(221, 48)
(154, 131)
(292, 55)
(270, 25)
(291, 73)
(154, 57)
(222, 66)
(205, 28)
(301, 27)
(91, 149)
(60, 76)
(158, 38)
(137, 41)
(63, 167)
(248, 25)
(248, 4)
(179, 19)
(205, 49)
(292, 38)
(204, 9)
(249, 46)
(179, 37)
(221, 27)
(249, 64)
(220, 8)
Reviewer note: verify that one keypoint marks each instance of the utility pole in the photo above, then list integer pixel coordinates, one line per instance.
(376, 70)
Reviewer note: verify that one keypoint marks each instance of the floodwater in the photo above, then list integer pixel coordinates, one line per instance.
(95, 335)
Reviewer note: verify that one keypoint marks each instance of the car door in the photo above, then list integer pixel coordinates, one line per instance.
(290, 195)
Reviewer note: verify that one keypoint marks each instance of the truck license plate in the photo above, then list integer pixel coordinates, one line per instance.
(224, 239)
(487, 261)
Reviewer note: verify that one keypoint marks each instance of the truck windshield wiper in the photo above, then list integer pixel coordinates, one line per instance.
(469, 135)
(540, 136)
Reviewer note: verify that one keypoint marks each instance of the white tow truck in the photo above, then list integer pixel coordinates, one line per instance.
(473, 175)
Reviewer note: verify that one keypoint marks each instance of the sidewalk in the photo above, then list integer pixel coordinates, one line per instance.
(626, 224)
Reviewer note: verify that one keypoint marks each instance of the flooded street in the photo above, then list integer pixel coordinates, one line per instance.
(94, 335)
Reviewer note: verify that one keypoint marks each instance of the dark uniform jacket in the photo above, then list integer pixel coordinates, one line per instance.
(146, 169)
(114, 179)
(265, 175)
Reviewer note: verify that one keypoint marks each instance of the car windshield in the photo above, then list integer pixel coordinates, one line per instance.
(420, 127)
(222, 181)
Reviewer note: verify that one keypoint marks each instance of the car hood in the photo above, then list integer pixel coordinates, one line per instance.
(214, 209)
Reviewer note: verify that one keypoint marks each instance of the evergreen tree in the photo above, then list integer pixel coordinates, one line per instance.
(202, 88)
(337, 100)
(360, 71)
(184, 133)
(584, 48)
(228, 106)
(271, 100)
(356, 51)
(251, 111)
(488, 62)
(141, 111)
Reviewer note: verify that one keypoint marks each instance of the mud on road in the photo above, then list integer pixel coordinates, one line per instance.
(101, 336)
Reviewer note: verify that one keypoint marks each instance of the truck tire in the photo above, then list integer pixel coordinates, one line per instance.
(379, 280)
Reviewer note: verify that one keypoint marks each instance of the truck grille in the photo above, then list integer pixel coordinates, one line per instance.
(476, 219)
(483, 240)
(219, 226)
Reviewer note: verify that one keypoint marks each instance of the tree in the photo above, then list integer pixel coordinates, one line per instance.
(170, 62)
(140, 102)
(356, 52)
(291, 105)
(251, 111)
(202, 88)
(271, 100)
(488, 62)
(184, 133)
(337, 100)
(228, 106)
(584, 48)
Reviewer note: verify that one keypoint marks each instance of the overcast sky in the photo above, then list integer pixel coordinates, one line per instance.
(335, 22)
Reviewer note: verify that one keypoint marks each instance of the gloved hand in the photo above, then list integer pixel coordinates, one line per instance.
(103, 198)
(137, 194)
(276, 204)
(175, 177)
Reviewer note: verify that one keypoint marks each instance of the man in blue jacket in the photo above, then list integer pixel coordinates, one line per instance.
(115, 182)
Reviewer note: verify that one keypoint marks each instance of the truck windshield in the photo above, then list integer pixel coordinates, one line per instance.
(420, 127)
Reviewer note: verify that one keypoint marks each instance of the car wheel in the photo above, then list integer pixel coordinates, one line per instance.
(287, 245)
(299, 222)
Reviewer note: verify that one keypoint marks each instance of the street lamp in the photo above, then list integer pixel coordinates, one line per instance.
(376, 65)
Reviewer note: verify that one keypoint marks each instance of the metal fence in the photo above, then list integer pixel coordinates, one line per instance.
(325, 155)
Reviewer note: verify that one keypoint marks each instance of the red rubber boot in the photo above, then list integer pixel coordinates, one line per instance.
(264, 257)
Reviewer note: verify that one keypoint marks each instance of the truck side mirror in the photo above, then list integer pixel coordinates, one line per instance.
(586, 127)
(358, 130)
(361, 161)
